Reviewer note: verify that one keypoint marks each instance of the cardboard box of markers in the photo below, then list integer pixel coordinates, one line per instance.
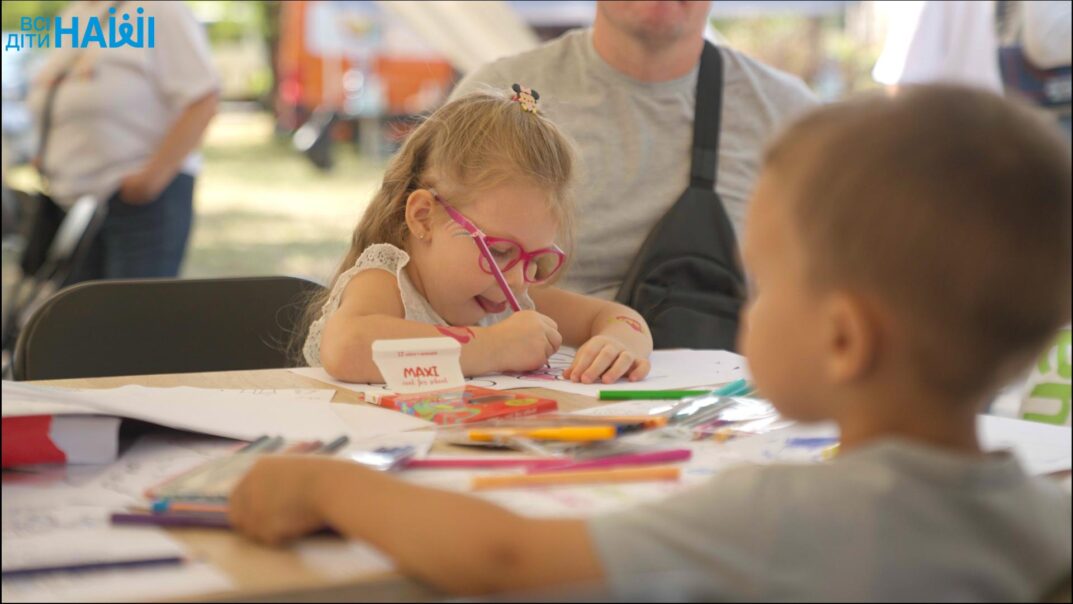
(425, 379)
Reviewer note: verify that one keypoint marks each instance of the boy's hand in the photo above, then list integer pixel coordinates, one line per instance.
(275, 501)
(526, 340)
(607, 359)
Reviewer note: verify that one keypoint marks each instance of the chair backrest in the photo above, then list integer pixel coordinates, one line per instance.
(143, 326)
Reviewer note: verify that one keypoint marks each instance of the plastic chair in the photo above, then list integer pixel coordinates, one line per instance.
(144, 326)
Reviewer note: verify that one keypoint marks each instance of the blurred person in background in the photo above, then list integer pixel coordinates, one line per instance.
(625, 91)
(951, 41)
(123, 124)
(1036, 50)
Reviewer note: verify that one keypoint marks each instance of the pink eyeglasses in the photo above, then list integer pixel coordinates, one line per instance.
(499, 255)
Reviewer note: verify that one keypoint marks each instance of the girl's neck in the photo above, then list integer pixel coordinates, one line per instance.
(412, 270)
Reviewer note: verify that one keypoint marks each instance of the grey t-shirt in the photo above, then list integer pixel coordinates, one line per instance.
(893, 521)
(634, 140)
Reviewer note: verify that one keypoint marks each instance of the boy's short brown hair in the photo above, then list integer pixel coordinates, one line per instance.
(951, 206)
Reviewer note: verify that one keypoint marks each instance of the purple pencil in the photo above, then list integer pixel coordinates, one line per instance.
(186, 519)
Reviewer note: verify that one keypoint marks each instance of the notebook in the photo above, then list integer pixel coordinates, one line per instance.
(74, 439)
(468, 405)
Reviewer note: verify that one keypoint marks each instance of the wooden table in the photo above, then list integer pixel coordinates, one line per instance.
(277, 574)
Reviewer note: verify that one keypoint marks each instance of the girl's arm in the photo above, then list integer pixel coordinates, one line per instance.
(455, 542)
(613, 340)
(371, 309)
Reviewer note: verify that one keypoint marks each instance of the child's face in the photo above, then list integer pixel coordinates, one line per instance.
(781, 331)
(456, 286)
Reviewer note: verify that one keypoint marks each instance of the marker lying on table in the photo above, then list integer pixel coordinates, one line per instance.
(563, 433)
(735, 388)
(161, 506)
(648, 395)
(548, 464)
(483, 463)
(481, 483)
(627, 459)
(217, 520)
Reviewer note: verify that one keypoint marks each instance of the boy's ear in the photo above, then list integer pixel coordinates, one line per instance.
(853, 339)
(419, 207)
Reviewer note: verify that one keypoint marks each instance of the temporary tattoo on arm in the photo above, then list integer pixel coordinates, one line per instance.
(462, 334)
(631, 322)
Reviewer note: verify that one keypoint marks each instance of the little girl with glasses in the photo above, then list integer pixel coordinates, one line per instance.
(465, 233)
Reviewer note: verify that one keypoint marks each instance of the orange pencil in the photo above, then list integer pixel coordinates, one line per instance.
(166, 505)
(507, 481)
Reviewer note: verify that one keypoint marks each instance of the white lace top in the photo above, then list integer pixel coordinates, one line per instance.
(387, 257)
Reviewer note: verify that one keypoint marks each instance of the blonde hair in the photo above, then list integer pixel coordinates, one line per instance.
(952, 205)
(469, 145)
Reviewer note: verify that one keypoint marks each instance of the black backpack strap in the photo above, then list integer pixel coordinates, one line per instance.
(707, 115)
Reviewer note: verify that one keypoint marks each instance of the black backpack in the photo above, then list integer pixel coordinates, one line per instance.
(686, 280)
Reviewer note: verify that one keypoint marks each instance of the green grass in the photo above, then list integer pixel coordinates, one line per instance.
(263, 209)
(260, 207)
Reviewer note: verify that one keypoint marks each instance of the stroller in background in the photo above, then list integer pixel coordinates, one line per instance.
(48, 256)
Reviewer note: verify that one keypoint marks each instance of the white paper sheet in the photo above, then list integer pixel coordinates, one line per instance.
(420, 440)
(118, 585)
(671, 369)
(20, 399)
(337, 559)
(60, 515)
(40, 537)
(227, 413)
(1042, 448)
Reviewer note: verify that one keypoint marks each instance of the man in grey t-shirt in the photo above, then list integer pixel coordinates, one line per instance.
(625, 91)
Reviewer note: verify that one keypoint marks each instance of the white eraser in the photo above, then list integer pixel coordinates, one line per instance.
(419, 364)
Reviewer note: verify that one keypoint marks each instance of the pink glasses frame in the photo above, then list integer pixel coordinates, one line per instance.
(483, 241)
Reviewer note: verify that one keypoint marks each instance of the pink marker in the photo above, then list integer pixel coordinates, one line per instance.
(629, 459)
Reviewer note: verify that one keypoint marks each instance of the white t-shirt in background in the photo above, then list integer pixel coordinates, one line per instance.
(116, 105)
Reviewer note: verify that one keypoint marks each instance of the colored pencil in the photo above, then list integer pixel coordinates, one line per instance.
(629, 459)
(89, 566)
(183, 519)
(171, 505)
(482, 463)
(645, 395)
(333, 446)
(481, 483)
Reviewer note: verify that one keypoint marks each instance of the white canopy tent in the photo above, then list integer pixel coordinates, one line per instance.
(468, 34)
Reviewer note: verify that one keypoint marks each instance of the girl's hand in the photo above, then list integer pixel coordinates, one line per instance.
(526, 340)
(607, 359)
(275, 501)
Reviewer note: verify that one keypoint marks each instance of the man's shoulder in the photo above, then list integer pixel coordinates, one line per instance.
(741, 70)
(527, 67)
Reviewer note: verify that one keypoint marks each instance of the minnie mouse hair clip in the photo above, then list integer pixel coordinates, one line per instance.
(527, 97)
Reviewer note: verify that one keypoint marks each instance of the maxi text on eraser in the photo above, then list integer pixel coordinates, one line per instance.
(419, 364)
